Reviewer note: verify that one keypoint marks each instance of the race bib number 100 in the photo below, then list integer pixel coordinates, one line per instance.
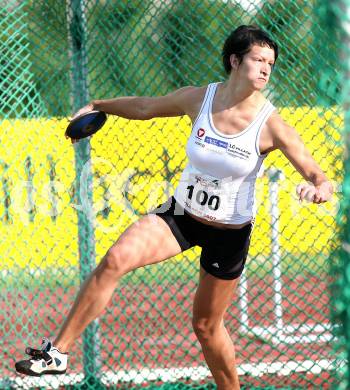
(206, 198)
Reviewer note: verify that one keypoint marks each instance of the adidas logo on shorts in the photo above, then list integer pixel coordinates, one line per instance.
(216, 265)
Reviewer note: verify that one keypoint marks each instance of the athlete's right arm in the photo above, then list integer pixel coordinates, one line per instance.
(183, 101)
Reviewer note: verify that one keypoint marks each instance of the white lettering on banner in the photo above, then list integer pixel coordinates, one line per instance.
(23, 199)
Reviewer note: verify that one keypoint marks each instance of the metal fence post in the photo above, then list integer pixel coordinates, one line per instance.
(80, 97)
(275, 175)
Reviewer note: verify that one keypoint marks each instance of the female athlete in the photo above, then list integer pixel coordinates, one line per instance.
(234, 128)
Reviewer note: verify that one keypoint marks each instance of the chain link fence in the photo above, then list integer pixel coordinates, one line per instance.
(63, 206)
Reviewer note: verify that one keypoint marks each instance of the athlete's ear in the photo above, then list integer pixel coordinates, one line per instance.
(234, 61)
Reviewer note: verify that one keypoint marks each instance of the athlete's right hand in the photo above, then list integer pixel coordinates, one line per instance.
(89, 107)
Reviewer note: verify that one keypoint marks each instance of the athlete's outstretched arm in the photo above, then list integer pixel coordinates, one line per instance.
(319, 189)
(177, 103)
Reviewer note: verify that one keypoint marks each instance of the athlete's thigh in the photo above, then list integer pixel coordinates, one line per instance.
(149, 240)
(213, 296)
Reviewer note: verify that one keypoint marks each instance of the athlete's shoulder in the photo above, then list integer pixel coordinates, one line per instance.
(281, 132)
(275, 123)
(192, 92)
(191, 98)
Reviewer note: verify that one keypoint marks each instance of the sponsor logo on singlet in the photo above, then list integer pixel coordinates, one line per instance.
(200, 132)
(217, 146)
(199, 144)
(199, 138)
(216, 142)
(236, 151)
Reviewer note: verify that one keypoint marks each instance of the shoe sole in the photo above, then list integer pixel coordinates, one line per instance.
(33, 373)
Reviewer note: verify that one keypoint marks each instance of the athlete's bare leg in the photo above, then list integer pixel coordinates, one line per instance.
(147, 241)
(211, 301)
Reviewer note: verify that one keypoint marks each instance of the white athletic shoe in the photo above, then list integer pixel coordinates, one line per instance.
(47, 360)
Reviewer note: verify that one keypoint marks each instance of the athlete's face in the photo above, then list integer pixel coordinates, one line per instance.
(256, 66)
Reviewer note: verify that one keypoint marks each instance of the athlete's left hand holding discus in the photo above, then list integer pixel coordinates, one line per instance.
(234, 128)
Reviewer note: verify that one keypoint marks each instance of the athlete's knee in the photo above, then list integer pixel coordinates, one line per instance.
(206, 328)
(115, 261)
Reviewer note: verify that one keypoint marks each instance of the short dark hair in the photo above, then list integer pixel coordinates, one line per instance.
(240, 41)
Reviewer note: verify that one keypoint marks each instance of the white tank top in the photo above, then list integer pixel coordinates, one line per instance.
(218, 183)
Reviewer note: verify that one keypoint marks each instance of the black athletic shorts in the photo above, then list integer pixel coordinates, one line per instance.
(224, 251)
